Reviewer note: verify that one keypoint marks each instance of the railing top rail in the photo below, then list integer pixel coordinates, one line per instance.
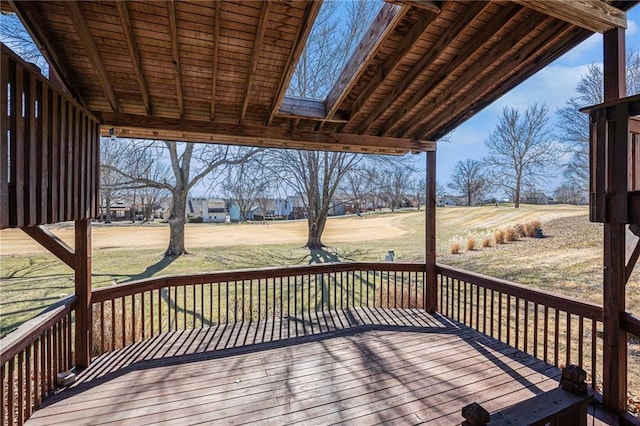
(631, 324)
(565, 303)
(29, 331)
(147, 284)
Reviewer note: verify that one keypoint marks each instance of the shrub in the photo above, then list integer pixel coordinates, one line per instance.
(521, 230)
(532, 228)
(455, 247)
(486, 242)
(471, 243)
(499, 236)
(511, 234)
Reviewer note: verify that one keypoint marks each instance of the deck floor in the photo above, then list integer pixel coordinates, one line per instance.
(363, 366)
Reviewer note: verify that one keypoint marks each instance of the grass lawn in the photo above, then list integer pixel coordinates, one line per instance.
(567, 261)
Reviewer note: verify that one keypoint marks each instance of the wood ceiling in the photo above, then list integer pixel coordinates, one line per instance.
(218, 71)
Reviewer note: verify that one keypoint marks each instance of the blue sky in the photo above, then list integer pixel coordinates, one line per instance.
(553, 85)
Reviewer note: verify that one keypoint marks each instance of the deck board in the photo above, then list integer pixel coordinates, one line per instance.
(355, 366)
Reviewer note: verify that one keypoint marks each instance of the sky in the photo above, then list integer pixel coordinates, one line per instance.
(553, 86)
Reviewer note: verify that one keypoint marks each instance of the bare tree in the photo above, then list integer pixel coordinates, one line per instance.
(521, 149)
(573, 125)
(245, 184)
(419, 187)
(399, 178)
(189, 164)
(315, 176)
(568, 193)
(14, 35)
(470, 180)
(358, 186)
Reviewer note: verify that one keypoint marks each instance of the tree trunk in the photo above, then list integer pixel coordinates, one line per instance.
(316, 227)
(517, 194)
(177, 221)
(107, 217)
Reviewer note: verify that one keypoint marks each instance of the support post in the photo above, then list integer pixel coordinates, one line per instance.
(83, 293)
(615, 338)
(431, 299)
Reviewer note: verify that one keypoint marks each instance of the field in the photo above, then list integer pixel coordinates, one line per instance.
(568, 260)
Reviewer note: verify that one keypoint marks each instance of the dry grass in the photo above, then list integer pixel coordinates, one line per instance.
(486, 242)
(455, 247)
(471, 243)
(499, 236)
(511, 234)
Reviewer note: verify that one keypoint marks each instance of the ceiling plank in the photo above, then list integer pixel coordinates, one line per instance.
(390, 64)
(44, 45)
(134, 54)
(135, 126)
(428, 5)
(175, 51)
(262, 25)
(474, 99)
(401, 86)
(217, 5)
(92, 51)
(508, 12)
(385, 22)
(313, 7)
(593, 15)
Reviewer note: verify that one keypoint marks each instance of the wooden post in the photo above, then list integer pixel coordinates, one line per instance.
(615, 338)
(83, 293)
(431, 304)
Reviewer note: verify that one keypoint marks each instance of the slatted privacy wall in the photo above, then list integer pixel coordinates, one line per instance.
(49, 152)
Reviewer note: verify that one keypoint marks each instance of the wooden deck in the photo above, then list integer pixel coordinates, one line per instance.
(361, 366)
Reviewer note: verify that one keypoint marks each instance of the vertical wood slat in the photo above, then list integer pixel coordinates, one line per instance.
(5, 93)
(49, 152)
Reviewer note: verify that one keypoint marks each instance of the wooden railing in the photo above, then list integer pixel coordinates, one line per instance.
(128, 313)
(30, 359)
(557, 329)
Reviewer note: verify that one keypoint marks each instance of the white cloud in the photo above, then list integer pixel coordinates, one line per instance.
(632, 27)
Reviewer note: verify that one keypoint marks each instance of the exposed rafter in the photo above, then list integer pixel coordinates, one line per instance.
(133, 126)
(262, 25)
(594, 15)
(403, 85)
(134, 55)
(433, 125)
(304, 30)
(390, 64)
(216, 47)
(499, 21)
(310, 109)
(429, 5)
(92, 50)
(175, 51)
(384, 23)
(44, 45)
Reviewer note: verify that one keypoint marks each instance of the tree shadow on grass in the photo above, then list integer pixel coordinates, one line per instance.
(152, 270)
(316, 256)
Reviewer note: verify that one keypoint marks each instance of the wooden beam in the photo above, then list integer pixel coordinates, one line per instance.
(132, 126)
(134, 54)
(425, 62)
(52, 243)
(385, 22)
(83, 293)
(175, 51)
(453, 93)
(310, 109)
(485, 35)
(593, 15)
(427, 5)
(391, 64)
(632, 251)
(216, 49)
(431, 285)
(50, 54)
(92, 51)
(614, 357)
(262, 25)
(310, 14)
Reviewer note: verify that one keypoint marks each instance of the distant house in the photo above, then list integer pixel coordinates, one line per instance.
(211, 210)
(119, 211)
(451, 200)
(539, 198)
